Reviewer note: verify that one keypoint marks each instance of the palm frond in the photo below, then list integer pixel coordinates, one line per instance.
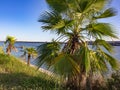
(10, 39)
(50, 17)
(47, 52)
(107, 13)
(108, 59)
(106, 45)
(6, 42)
(89, 5)
(53, 21)
(101, 29)
(57, 5)
(98, 4)
(84, 54)
(65, 65)
(98, 62)
(112, 61)
(30, 50)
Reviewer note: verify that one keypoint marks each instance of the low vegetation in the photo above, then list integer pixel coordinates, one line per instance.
(16, 75)
(114, 81)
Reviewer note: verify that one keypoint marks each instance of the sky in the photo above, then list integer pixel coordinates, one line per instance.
(19, 18)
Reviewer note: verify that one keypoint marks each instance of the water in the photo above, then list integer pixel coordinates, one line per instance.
(116, 53)
(18, 54)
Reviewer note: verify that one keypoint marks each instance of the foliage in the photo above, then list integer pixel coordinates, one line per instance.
(76, 22)
(114, 80)
(10, 41)
(30, 50)
(30, 53)
(47, 52)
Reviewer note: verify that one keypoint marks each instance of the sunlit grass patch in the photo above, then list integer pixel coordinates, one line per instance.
(17, 75)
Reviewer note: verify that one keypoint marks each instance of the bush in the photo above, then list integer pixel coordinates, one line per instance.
(114, 81)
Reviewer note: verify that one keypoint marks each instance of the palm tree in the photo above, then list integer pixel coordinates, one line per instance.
(77, 21)
(30, 52)
(10, 41)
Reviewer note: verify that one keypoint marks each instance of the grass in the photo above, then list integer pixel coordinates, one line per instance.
(15, 75)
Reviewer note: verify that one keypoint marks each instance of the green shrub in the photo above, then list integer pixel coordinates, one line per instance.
(114, 81)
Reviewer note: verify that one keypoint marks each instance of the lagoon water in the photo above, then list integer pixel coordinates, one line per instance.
(18, 54)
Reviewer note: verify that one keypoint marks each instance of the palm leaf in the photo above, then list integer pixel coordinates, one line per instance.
(53, 21)
(107, 13)
(50, 17)
(47, 52)
(106, 45)
(84, 54)
(65, 65)
(112, 61)
(11, 40)
(98, 4)
(88, 5)
(98, 62)
(30, 50)
(108, 59)
(57, 5)
(101, 29)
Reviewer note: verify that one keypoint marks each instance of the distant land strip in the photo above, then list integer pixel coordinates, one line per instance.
(113, 43)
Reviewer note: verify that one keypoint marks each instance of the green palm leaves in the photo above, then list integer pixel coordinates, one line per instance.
(51, 56)
(53, 21)
(82, 5)
(107, 13)
(78, 22)
(98, 30)
(30, 52)
(47, 52)
(10, 41)
(65, 65)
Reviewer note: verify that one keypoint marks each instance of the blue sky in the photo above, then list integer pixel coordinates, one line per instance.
(19, 18)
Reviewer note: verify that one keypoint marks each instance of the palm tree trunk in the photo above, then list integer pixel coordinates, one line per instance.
(79, 82)
(28, 62)
(8, 50)
(72, 83)
(83, 81)
(89, 83)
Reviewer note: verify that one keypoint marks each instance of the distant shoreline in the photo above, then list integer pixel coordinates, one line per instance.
(114, 43)
(28, 41)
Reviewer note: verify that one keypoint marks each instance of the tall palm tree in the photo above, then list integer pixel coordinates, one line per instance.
(77, 21)
(30, 53)
(10, 41)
